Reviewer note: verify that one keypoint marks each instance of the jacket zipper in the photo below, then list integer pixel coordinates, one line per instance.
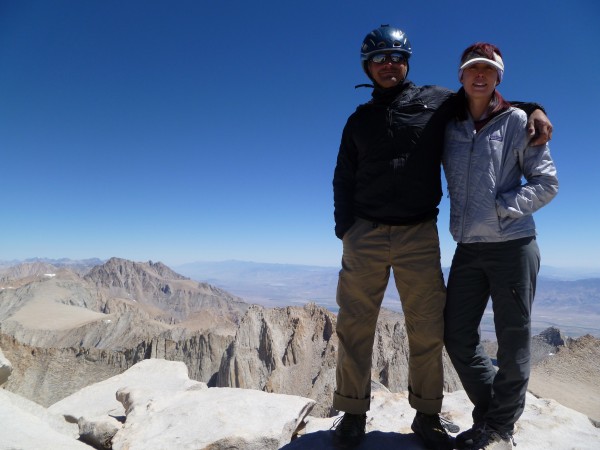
(467, 188)
(474, 134)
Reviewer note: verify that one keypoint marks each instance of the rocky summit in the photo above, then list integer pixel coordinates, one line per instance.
(154, 405)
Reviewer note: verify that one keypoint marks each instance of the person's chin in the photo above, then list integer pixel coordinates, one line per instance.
(392, 82)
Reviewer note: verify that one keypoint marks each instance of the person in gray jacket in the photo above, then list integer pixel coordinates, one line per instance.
(486, 156)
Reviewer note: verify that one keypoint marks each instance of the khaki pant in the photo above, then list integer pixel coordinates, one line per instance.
(413, 252)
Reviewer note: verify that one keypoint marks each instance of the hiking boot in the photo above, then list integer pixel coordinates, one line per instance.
(465, 439)
(350, 428)
(429, 428)
(482, 437)
(450, 426)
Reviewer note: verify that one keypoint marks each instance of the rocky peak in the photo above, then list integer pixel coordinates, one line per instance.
(552, 336)
(165, 271)
(26, 270)
(117, 271)
(142, 282)
(171, 297)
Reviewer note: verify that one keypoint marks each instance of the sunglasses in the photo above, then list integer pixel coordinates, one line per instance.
(381, 58)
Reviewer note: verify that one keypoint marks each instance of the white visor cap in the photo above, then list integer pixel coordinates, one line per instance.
(475, 58)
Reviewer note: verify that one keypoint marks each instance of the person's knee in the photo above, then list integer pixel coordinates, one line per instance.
(452, 346)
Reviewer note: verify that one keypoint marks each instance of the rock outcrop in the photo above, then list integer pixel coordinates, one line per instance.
(47, 375)
(293, 350)
(5, 368)
(570, 375)
(552, 336)
(285, 350)
(154, 405)
(29, 426)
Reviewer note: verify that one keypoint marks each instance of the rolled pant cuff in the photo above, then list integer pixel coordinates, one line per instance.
(425, 406)
(351, 405)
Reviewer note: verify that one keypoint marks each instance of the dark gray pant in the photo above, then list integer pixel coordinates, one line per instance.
(506, 271)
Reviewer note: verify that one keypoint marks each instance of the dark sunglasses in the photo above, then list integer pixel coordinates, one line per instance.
(381, 58)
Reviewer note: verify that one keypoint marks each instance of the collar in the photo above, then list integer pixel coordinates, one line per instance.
(381, 95)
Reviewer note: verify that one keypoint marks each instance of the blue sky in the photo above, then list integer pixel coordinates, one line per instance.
(181, 131)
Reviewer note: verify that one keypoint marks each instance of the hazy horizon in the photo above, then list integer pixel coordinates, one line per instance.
(550, 271)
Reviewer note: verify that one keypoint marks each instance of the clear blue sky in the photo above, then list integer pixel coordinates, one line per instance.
(181, 131)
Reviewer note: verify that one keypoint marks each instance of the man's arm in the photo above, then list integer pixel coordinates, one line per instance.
(539, 126)
(343, 185)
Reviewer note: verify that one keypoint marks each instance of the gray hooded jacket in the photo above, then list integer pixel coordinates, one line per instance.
(484, 170)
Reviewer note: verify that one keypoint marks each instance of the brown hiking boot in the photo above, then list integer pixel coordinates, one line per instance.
(429, 428)
(350, 428)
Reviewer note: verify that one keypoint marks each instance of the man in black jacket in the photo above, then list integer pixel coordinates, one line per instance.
(387, 187)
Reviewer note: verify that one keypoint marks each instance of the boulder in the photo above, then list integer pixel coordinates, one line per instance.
(29, 426)
(215, 418)
(99, 399)
(5, 368)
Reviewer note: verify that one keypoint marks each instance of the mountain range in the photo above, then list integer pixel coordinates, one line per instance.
(566, 298)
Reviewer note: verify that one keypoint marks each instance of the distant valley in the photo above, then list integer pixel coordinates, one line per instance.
(562, 300)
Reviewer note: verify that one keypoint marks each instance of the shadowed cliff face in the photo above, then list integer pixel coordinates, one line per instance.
(293, 350)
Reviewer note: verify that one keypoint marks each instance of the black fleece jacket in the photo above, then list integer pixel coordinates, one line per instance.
(388, 167)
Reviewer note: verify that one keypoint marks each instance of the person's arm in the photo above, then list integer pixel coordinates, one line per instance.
(539, 127)
(538, 169)
(344, 179)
